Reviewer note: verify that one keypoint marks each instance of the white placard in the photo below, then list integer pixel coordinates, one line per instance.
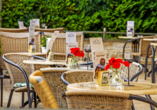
(21, 24)
(70, 37)
(130, 28)
(32, 23)
(37, 23)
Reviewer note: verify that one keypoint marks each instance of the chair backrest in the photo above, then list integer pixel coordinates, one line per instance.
(17, 42)
(78, 76)
(14, 72)
(85, 99)
(144, 45)
(134, 69)
(59, 45)
(16, 30)
(61, 30)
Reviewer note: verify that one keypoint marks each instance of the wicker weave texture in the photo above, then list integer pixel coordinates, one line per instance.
(79, 76)
(16, 74)
(133, 69)
(43, 90)
(13, 45)
(98, 102)
(59, 45)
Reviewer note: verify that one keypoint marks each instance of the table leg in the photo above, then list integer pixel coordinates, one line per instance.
(153, 69)
(1, 87)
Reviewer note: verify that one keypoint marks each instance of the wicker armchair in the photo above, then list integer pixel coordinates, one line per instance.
(17, 42)
(52, 77)
(19, 73)
(59, 46)
(16, 30)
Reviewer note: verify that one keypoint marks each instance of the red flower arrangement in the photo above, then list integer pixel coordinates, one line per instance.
(77, 52)
(116, 63)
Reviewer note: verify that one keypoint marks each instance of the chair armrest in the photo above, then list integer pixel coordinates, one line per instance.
(126, 43)
(63, 80)
(36, 77)
(143, 99)
(41, 58)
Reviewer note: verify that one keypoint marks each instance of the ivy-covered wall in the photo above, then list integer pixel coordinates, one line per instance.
(86, 15)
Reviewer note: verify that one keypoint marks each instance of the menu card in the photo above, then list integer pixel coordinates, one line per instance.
(99, 61)
(96, 44)
(70, 43)
(37, 23)
(21, 24)
(32, 23)
(70, 37)
(31, 39)
(130, 28)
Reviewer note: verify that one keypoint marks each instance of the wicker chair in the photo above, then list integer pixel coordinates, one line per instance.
(17, 42)
(16, 30)
(135, 69)
(54, 85)
(59, 46)
(19, 73)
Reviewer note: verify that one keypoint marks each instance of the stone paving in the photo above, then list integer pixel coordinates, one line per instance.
(16, 99)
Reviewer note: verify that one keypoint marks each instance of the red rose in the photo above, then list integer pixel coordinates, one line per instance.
(107, 67)
(116, 65)
(119, 60)
(127, 64)
(75, 50)
(111, 61)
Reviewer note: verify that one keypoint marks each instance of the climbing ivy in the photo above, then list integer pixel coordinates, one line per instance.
(86, 15)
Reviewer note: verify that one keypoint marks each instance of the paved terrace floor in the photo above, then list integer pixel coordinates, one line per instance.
(16, 99)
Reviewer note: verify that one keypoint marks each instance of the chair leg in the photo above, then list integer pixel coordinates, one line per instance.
(32, 98)
(35, 101)
(133, 108)
(23, 99)
(10, 97)
(151, 107)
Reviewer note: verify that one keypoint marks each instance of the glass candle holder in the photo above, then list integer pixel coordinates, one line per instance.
(87, 48)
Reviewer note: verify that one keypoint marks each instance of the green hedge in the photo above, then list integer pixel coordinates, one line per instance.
(86, 15)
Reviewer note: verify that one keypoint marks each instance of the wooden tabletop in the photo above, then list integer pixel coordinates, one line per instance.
(150, 39)
(125, 37)
(26, 53)
(154, 44)
(44, 62)
(138, 89)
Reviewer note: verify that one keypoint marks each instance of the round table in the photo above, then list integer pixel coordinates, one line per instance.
(137, 89)
(44, 62)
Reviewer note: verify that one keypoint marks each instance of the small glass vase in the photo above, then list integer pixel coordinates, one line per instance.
(116, 80)
(74, 63)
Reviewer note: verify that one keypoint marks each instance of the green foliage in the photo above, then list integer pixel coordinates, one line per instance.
(86, 15)
(43, 41)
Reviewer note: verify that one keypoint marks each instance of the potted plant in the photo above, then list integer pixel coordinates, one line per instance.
(43, 44)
